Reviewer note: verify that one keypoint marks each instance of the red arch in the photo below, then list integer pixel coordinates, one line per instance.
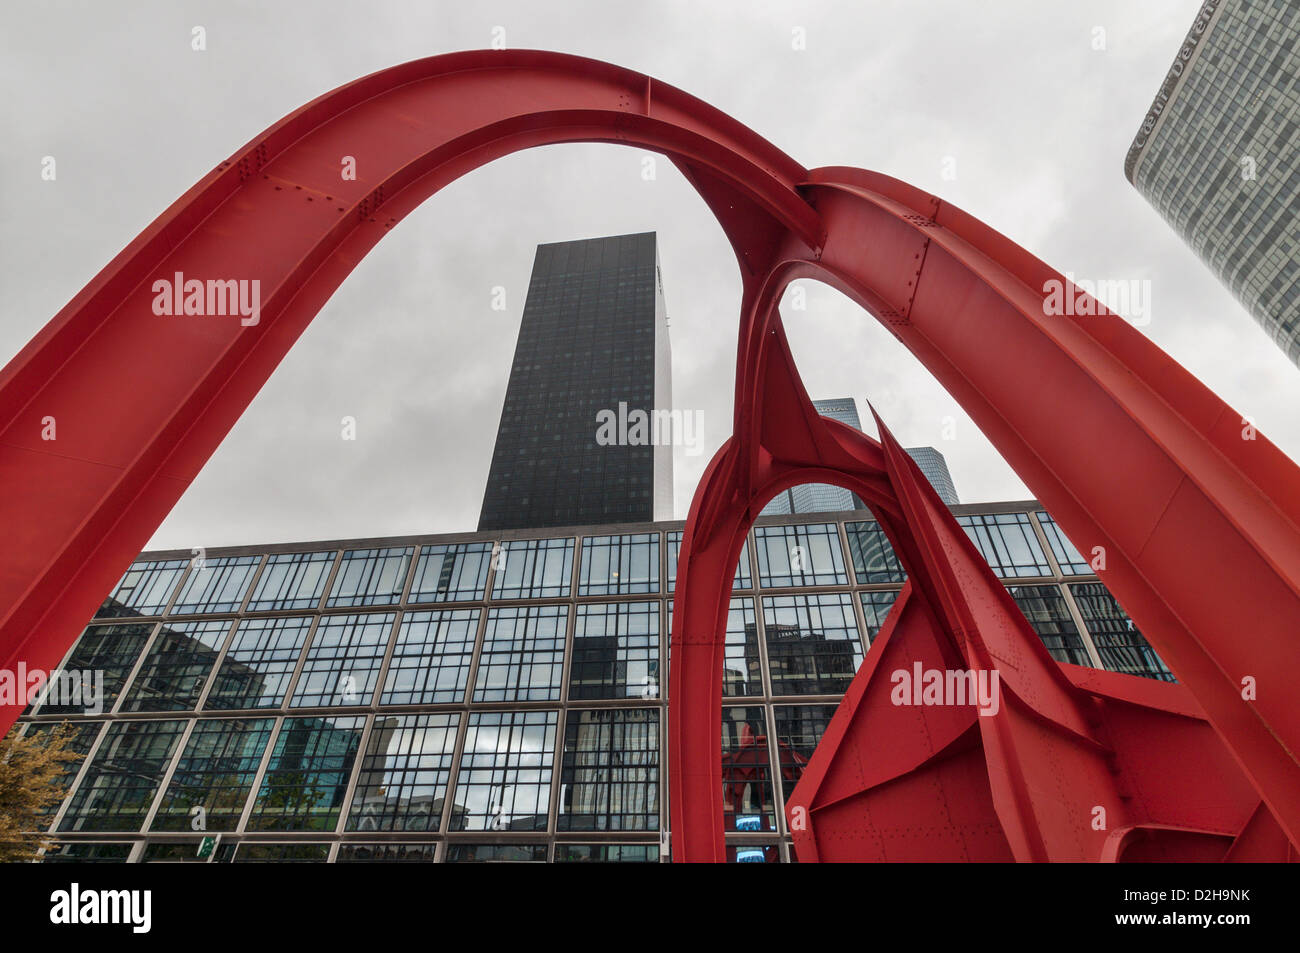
(1201, 529)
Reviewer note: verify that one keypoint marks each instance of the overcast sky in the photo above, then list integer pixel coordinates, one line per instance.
(1012, 95)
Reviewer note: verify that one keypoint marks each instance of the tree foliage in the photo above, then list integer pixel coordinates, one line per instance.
(34, 772)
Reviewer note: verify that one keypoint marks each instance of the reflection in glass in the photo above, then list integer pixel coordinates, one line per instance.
(742, 579)
(533, 569)
(370, 577)
(80, 740)
(215, 772)
(404, 772)
(292, 581)
(123, 777)
(610, 775)
(799, 729)
(615, 651)
(110, 649)
(803, 555)
(1008, 543)
(767, 853)
(1120, 644)
(256, 670)
(874, 559)
(523, 654)
(875, 609)
(496, 853)
(430, 663)
(282, 853)
(307, 778)
(173, 674)
(746, 771)
(742, 664)
(607, 853)
(504, 783)
(216, 585)
(619, 565)
(1068, 558)
(344, 659)
(812, 643)
(145, 589)
(456, 572)
(1045, 609)
(386, 853)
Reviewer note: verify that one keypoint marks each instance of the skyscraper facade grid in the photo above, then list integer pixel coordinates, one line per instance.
(1218, 155)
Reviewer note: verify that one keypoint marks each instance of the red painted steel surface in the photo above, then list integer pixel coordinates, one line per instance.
(1200, 528)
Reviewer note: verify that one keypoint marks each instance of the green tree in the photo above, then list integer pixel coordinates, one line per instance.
(34, 772)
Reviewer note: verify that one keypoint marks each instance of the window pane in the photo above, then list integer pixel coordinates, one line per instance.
(371, 577)
(81, 852)
(215, 772)
(533, 569)
(344, 659)
(813, 646)
(404, 773)
(216, 585)
(96, 670)
(607, 853)
(496, 853)
(1067, 557)
(743, 666)
(307, 778)
(504, 782)
(619, 565)
(292, 581)
(753, 854)
(523, 654)
(1008, 543)
(799, 729)
(1045, 609)
(259, 664)
(121, 781)
(431, 660)
(282, 853)
(453, 573)
(800, 556)
(145, 589)
(174, 672)
(874, 559)
(386, 853)
(875, 609)
(616, 651)
(610, 777)
(81, 739)
(741, 581)
(1119, 643)
(746, 775)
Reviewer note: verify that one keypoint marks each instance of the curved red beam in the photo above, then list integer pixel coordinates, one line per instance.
(1201, 529)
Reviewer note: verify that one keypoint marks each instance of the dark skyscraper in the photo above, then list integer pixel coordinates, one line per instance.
(593, 341)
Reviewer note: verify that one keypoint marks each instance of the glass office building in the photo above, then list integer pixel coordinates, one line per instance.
(593, 341)
(492, 695)
(1218, 155)
(935, 469)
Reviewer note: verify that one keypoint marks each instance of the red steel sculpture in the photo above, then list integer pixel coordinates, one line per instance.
(1137, 461)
